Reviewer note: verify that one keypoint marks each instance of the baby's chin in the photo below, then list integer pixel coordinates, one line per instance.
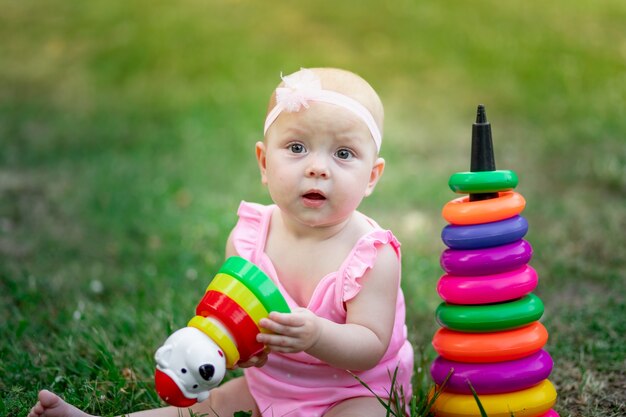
(322, 222)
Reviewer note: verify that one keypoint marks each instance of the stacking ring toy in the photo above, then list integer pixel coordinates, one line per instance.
(219, 335)
(530, 402)
(482, 181)
(550, 413)
(241, 294)
(235, 318)
(462, 211)
(471, 262)
(477, 236)
(256, 280)
(490, 347)
(490, 317)
(487, 289)
(492, 378)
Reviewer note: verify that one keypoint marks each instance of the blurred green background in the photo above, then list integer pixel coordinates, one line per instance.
(126, 144)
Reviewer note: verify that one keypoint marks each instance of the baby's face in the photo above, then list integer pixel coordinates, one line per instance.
(319, 163)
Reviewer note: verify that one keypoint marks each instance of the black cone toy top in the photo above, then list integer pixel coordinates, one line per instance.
(482, 150)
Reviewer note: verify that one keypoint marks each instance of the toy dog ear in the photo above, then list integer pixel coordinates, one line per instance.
(162, 356)
(207, 371)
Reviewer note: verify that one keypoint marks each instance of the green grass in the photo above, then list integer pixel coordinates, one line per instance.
(126, 137)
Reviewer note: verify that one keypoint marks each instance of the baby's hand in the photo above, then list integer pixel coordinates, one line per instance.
(294, 332)
(258, 360)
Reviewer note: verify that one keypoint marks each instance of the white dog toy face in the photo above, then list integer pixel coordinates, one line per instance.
(189, 365)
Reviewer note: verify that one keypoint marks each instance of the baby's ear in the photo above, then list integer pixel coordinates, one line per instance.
(375, 174)
(260, 157)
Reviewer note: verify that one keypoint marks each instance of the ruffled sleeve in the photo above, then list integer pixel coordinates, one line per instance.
(249, 229)
(362, 258)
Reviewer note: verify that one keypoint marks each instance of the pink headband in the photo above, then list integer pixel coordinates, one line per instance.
(304, 86)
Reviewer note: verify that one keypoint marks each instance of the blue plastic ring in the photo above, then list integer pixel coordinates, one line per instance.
(485, 235)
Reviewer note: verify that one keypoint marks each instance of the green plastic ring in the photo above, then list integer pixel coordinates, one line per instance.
(260, 284)
(482, 181)
(490, 317)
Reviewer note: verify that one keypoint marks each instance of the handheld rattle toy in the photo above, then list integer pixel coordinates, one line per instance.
(194, 359)
(491, 337)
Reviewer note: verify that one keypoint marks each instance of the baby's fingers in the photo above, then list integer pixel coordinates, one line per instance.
(275, 328)
(288, 319)
(257, 361)
(279, 343)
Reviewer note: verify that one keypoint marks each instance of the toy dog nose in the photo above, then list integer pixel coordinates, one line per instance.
(207, 371)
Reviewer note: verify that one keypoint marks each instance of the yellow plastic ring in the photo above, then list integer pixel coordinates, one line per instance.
(240, 294)
(219, 336)
(530, 402)
(462, 211)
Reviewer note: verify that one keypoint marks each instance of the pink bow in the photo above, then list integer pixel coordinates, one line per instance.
(300, 87)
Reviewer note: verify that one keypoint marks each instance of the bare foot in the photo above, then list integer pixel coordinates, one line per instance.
(51, 405)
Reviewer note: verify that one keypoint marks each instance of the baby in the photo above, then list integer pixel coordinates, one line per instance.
(338, 269)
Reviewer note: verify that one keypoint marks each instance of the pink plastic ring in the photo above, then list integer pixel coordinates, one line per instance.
(487, 289)
(488, 261)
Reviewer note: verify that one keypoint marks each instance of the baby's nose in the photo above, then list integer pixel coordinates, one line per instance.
(318, 168)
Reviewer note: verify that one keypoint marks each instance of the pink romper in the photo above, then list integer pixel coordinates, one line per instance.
(298, 384)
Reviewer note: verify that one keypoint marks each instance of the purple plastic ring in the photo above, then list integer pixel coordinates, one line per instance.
(495, 377)
(471, 262)
(485, 235)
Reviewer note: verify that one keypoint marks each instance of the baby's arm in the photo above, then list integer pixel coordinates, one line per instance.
(363, 340)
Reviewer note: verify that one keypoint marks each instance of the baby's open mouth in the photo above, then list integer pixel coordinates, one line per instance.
(314, 196)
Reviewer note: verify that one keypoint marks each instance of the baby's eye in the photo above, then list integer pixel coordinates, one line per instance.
(344, 154)
(296, 148)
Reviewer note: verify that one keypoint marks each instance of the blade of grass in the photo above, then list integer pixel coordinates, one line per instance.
(483, 413)
(436, 392)
(380, 400)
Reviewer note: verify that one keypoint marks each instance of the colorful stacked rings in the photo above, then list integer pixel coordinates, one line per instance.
(237, 298)
(491, 341)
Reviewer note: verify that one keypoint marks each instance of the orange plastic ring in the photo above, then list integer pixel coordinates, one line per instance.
(462, 211)
(490, 347)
